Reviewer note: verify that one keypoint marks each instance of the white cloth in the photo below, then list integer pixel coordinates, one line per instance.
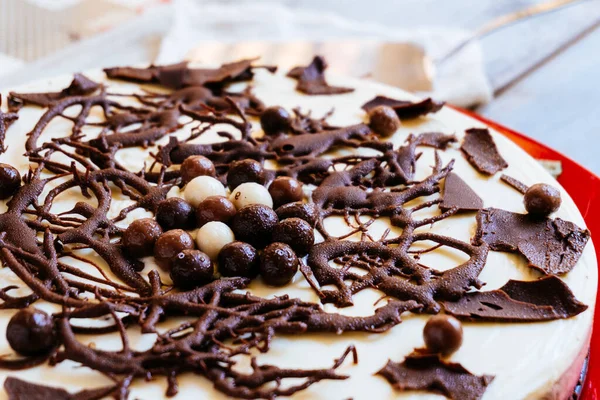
(461, 80)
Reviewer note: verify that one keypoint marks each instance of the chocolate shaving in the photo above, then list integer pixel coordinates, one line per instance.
(552, 246)
(421, 371)
(514, 183)
(438, 140)
(405, 109)
(480, 150)
(546, 299)
(457, 194)
(311, 79)
(18, 389)
(80, 86)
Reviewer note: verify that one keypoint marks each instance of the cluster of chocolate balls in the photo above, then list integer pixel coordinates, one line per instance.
(251, 231)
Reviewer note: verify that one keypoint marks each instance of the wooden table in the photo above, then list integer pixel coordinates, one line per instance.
(545, 71)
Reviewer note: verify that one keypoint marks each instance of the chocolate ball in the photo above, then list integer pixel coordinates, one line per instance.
(278, 264)
(243, 171)
(196, 166)
(238, 259)
(275, 120)
(254, 224)
(10, 181)
(31, 332)
(140, 236)
(191, 268)
(285, 190)
(443, 334)
(384, 121)
(542, 200)
(305, 211)
(175, 213)
(171, 243)
(296, 233)
(215, 208)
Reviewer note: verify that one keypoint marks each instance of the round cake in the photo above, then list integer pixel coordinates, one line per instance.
(242, 232)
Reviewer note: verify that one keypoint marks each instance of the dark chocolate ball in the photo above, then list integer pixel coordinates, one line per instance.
(214, 208)
(196, 166)
(191, 268)
(171, 243)
(31, 332)
(243, 171)
(278, 264)
(175, 213)
(383, 120)
(238, 259)
(296, 233)
(542, 200)
(254, 224)
(10, 181)
(285, 190)
(275, 120)
(443, 334)
(305, 211)
(140, 236)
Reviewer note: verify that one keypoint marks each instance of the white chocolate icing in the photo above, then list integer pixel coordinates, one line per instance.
(529, 360)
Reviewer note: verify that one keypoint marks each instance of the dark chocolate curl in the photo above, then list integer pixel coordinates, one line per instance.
(552, 246)
(546, 299)
(428, 372)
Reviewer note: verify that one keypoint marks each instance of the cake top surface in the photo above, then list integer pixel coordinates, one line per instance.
(409, 213)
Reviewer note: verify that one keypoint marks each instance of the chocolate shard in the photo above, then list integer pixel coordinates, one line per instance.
(480, 150)
(457, 194)
(18, 389)
(514, 183)
(423, 371)
(546, 299)
(405, 109)
(437, 140)
(177, 76)
(311, 79)
(80, 86)
(552, 246)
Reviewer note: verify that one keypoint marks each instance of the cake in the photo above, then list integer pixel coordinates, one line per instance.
(242, 232)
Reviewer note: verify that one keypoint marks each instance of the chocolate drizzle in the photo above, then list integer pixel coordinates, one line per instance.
(221, 322)
(422, 371)
(311, 79)
(6, 120)
(552, 246)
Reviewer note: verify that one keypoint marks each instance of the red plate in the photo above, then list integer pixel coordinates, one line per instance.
(584, 188)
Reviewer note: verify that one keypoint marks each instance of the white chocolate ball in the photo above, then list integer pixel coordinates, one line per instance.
(202, 187)
(212, 237)
(250, 193)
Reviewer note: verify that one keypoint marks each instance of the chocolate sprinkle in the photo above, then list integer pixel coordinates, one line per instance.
(422, 371)
(543, 300)
(459, 195)
(311, 79)
(405, 109)
(480, 150)
(552, 246)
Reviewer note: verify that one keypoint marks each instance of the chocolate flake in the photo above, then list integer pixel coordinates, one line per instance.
(80, 86)
(514, 183)
(311, 79)
(459, 195)
(480, 150)
(438, 140)
(552, 246)
(405, 109)
(546, 299)
(422, 371)
(18, 389)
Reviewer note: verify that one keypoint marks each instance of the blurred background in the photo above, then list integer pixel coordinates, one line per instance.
(539, 75)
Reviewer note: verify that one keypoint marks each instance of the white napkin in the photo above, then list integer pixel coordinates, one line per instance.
(461, 80)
